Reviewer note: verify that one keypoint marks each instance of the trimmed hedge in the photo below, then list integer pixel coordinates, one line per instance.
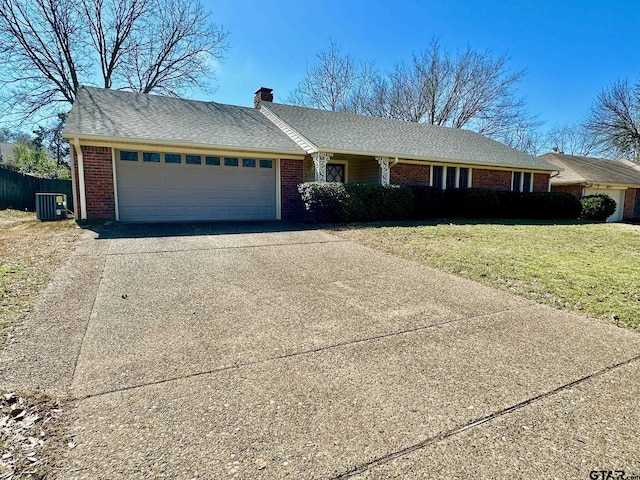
(597, 207)
(487, 203)
(352, 202)
(539, 205)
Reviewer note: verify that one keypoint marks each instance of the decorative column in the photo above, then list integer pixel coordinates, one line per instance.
(320, 161)
(385, 174)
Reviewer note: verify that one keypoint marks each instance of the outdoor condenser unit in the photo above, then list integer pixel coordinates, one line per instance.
(51, 206)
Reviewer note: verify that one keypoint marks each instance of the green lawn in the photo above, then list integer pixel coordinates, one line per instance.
(589, 268)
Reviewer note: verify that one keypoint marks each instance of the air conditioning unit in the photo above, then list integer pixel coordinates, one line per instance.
(51, 206)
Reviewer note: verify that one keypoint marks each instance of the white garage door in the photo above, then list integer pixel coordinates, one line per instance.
(617, 195)
(158, 187)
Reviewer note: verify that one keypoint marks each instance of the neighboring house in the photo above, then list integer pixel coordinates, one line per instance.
(139, 157)
(582, 176)
(6, 153)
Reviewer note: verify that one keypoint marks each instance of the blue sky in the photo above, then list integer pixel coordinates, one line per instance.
(570, 49)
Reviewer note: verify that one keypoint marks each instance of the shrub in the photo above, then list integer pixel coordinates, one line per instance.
(472, 203)
(539, 205)
(597, 207)
(396, 203)
(322, 201)
(351, 202)
(428, 202)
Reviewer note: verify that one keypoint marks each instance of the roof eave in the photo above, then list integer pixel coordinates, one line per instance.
(67, 135)
(439, 160)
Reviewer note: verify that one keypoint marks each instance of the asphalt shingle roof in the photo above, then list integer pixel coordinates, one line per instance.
(593, 170)
(142, 117)
(348, 133)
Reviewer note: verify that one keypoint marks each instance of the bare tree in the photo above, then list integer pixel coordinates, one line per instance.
(571, 139)
(467, 90)
(51, 47)
(336, 82)
(112, 25)
(524, 136)
(614, 120)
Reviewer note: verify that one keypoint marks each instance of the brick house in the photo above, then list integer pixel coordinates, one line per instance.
(582, 176)
(139, 157)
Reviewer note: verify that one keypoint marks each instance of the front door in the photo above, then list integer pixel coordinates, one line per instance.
(335, 172)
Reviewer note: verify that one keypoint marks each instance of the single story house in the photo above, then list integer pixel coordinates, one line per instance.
(140, 157)
(582, 176)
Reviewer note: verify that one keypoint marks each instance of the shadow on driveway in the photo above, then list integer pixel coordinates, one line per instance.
(116, 230)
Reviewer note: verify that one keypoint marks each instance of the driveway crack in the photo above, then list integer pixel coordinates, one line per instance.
(486, 419)
(310, 351)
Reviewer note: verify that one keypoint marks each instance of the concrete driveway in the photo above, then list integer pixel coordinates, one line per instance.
(254, 351)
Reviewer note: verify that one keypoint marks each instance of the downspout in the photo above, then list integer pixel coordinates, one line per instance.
(83, 195)
(550, 177)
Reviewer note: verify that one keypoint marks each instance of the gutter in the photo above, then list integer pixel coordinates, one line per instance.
(107, 140)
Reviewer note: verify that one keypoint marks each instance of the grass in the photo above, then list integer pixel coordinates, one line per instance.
(591, 268)
(30, 253)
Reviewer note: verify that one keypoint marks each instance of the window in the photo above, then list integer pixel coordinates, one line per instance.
(212, 160)
(463, 179)
(266, 163)
(517, 182)
(526, 182)
(129, 156)
(437, 175)
(172, 158)
(248, 162)
(151, 157)
(335, 172)
(193, 159)
(451, 177)
(231, 161)
(448, 177)
(522, 182)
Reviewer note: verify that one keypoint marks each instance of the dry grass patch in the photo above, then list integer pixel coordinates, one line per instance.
(30, 253)
(589, 268)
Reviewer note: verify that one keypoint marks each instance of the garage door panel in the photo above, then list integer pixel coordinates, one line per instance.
(171, 192)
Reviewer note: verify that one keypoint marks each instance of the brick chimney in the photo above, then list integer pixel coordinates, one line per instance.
(263, 94)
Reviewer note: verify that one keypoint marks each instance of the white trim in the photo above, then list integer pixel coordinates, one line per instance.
(384, 171)
(123, 143)
(320, 161)
(302, 141)
(448, 161)
(83, 193)
(115, 184)
(278, 190)
(74, 186)
(445, 167)
(522, 172)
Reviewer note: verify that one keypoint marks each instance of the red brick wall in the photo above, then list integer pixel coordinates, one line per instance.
(630, 198)
(98, 180)
(290, 178)
(541, 182)
(496, 179)
(572, 189)
(410, 174)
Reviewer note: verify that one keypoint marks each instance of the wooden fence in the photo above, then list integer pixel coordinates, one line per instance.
(19, 191)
